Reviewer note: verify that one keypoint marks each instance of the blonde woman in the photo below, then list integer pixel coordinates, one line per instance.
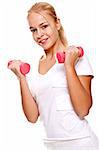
(60, 93)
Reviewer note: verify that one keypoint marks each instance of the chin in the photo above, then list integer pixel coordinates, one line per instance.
(48, 47)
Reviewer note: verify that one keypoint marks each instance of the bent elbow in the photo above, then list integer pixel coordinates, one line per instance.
(83, 114)
(85, 111)
(32, 120)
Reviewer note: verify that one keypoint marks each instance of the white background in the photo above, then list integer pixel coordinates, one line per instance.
(80, 21)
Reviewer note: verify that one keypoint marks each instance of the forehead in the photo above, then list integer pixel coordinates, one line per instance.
(36, 19)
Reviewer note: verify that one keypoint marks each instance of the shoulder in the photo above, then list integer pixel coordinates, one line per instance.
(83, 61)
(83, 66)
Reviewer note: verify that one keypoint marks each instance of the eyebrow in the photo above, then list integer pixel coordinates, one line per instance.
(39, 25)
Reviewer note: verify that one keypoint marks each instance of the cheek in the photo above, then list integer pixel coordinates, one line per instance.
(34, 37)
(52, 32)
(49, 32)
(55, 35)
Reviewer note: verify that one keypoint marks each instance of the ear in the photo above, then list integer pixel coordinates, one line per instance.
(58, 24)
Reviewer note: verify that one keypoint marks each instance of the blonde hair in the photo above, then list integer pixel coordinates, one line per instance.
(43, 6)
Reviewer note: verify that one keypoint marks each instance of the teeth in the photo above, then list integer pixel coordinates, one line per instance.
(43, 41)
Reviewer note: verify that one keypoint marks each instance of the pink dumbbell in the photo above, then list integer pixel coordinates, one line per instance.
(61, 55)
(24, 67)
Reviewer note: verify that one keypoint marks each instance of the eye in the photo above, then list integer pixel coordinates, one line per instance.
(33, 30)
(44, 26)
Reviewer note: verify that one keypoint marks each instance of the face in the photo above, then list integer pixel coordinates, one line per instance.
(44, 29)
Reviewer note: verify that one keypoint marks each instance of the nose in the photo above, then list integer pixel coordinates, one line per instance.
(39, 33)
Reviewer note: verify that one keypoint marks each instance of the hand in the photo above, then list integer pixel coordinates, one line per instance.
(72, 56)
(14, 66)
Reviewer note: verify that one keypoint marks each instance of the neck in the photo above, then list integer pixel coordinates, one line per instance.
(58, 46)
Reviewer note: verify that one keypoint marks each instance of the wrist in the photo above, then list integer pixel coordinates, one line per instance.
(21, 78)
(69, 67)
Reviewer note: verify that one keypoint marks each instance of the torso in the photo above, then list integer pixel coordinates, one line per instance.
(54, 103)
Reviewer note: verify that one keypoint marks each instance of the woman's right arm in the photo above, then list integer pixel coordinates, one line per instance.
(29, 104)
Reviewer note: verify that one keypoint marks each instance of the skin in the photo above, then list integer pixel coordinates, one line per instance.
(48, 29)
(45, 33)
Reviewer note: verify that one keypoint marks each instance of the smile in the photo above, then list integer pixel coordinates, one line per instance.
(43, 41)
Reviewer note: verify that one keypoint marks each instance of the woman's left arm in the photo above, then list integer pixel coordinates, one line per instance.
(80, 92)
(79, 86)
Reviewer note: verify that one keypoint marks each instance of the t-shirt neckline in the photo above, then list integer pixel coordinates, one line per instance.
(50, 70)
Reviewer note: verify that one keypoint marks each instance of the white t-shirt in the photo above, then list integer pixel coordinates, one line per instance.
(56, 111)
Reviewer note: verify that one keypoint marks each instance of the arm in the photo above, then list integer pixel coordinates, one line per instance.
(80, 92)
(29, 104)
(79, 86)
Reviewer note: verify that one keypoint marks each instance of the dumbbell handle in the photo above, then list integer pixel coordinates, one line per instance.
(24, 67)
(61, 55)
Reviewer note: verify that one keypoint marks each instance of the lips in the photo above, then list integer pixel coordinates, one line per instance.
(43, 41)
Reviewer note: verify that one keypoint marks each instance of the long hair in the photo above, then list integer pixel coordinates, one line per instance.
(43, 6)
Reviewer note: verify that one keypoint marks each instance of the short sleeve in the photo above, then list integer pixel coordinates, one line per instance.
(83, 67)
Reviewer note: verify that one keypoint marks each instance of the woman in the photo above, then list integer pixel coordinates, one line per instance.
(60, 93)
